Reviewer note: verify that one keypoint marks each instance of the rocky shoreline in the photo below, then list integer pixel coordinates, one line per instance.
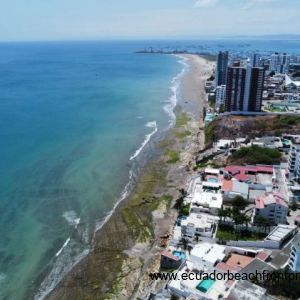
(127, 248)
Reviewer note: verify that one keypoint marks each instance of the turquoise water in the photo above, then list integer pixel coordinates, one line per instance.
(212, 180)
(71, 117)
(205, 285)
(179, 254)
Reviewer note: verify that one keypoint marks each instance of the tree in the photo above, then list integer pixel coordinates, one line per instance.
(261, 222)
(294, 206)
(239, 203)
(180, 200)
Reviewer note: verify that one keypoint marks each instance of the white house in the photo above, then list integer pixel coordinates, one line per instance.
(198, 225)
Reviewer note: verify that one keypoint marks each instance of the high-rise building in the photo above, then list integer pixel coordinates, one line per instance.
(255, 60)
(294, 161)
(280, 63)
(220, 95)
(235, 88)
(244, 89)
(254, 88)
(284, 63)
(274, 62)
(222, 65)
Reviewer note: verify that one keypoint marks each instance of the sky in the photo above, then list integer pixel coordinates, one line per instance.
(143, 19)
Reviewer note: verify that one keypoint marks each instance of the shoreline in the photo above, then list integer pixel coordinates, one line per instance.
(127, 244)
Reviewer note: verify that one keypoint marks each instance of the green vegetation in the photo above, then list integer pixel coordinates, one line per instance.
(182, 119)
(212, 101)
(280, 284)
(256, 155)
(210, 133)
(182, 134)
(286, 121)
(137, 215)
(204, 162)
(228, 233)
(173, 155)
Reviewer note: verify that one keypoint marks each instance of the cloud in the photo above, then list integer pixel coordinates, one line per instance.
(251, 3)
(206, 3)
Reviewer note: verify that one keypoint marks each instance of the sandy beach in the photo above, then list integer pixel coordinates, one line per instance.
(128, 246)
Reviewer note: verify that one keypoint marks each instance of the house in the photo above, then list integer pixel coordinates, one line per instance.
(233, 188)
(272, 207)
(169, 261)
(198, 225)
(294, 262)
(205, 256)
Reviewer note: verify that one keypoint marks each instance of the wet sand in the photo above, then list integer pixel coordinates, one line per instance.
(127, 248)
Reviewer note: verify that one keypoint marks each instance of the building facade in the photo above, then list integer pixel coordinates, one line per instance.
(220, 95)
(222, 65)
(294, 262)
(254, 88)
(294, 161)
(280, 63)
(272, 207)
(235, 88)
(244, 89)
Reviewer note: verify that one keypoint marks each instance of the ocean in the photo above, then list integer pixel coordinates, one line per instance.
(78, 120)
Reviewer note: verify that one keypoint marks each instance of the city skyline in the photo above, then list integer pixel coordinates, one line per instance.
(82, 20)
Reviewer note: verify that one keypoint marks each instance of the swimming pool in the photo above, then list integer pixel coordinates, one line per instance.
(212, 180)
(179, 254)
(205, 285)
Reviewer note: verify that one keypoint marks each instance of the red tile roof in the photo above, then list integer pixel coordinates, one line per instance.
(240, 172)
(271, 198)
(170, 255)
(227, 185)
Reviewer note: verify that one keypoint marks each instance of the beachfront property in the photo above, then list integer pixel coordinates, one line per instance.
(244, 89)
(294, 261)
(170, 260)
(206, 256)
(220, 95)
(196, 225)
(221, 70)
(272, 207)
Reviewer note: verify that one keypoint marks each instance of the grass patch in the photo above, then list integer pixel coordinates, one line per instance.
(173, 155)
(286, 121)
(166, 143)
(182, 134)
(228, 233)
(182, 119)
(256, 155)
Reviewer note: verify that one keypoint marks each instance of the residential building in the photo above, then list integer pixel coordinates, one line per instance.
(222, 65)
(274, 62)
(254, 87)
(294, 161)
(272, 207)
(205, 256)
(235, 88)
(244, 89)
(280, 63)
(294, 262)
(198, 225)
(255, 60)
(220, 95)
(169, 261)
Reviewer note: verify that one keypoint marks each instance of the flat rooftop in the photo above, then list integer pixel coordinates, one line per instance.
(279, 233)
(239, 260)
(207, 252)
